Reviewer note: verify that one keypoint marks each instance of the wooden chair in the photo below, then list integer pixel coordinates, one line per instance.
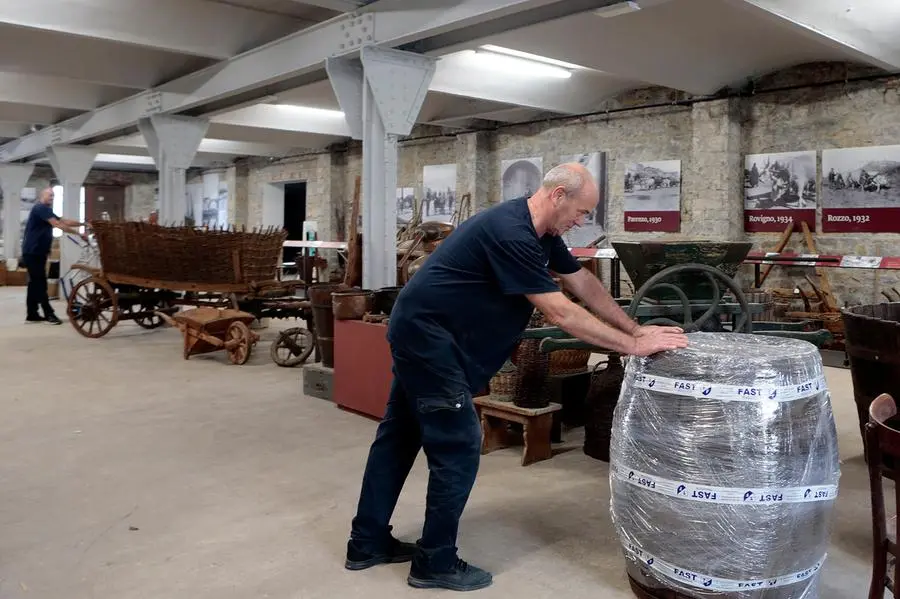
(883, 451)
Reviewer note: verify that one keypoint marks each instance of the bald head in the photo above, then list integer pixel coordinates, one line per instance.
(567, 196)
(571, 176)
(46, 196)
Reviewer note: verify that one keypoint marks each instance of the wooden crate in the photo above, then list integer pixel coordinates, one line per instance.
(17, 278)
(317, 381)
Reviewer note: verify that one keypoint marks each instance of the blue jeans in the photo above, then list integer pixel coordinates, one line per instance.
(438, 417)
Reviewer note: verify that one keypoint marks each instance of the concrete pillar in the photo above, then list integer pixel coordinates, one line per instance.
(71, 165)
(13, 177)
(473, 167)
(173, 142)
(381, 95)
(713, 191)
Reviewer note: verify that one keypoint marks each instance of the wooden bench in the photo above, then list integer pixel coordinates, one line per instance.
(537, 424)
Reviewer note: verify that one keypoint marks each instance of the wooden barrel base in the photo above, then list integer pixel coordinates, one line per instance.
(643, 592)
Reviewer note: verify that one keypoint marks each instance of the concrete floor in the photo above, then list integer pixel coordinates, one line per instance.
(129, 473)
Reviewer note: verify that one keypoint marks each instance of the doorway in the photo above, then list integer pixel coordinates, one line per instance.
(294, 215)
(103, 202)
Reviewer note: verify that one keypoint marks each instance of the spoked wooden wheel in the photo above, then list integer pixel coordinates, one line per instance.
(240, 342)
(147, 306)
(93, 309)
(292, 347)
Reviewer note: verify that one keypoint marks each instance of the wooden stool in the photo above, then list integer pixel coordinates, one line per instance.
(537, 424)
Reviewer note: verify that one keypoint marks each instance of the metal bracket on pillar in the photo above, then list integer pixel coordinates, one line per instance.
(399, 82)
(346, 76)
(173, 142)
(13, 177)
(71, 165)
(381, 101)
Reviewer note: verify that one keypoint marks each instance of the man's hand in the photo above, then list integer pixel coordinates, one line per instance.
(649, 340)
(648, 329)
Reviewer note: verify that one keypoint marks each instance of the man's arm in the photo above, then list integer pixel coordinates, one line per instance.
(591, 291)
(69, 222)
(580, 323)
(63, 224)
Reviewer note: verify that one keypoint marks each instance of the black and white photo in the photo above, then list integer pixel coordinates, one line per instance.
(782, 181)
(861, 177)
(653, 186)
(594, 226)
(438, 193)
(861, 190)
(520, 177)
(406, 205)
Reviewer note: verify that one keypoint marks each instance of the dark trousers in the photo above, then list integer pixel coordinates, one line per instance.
(37, 285)
(439, 418)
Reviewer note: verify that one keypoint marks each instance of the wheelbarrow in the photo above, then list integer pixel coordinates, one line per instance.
(207, 330)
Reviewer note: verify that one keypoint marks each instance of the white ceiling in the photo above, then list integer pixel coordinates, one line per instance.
(63, 58)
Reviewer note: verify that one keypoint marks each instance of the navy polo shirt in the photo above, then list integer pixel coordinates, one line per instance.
(38, 230)
(460, 316)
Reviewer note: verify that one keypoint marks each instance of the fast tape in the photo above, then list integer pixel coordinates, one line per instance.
(748, 393)
(702, 581)
(728, 495)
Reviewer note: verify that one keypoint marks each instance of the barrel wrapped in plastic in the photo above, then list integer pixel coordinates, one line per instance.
(724, 468)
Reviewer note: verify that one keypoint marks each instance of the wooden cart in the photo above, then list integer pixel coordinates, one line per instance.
(207, 330)
(148, 272)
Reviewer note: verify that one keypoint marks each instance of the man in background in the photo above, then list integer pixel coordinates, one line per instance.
(454, 324)
(35, 251)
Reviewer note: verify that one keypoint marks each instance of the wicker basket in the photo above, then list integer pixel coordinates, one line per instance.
(600, 405)
(502, 385)
(537, 320)
(184, 254)
(531, 388)
(764, 297)
(568, 361)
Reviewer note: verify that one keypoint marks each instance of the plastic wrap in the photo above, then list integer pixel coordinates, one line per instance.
(724, 468)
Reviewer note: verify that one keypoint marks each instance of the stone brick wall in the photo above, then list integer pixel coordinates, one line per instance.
(655, 134)
(820, 118)
(314, 169)
(710, 138)
(140, 187)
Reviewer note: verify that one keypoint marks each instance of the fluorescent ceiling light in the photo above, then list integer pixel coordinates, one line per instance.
(614, 10)
(310, 111)
(513, 66)
(123, 159)
(530, 57)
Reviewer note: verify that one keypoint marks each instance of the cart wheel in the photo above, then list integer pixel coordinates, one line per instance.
(292, 347)
(240, 333)
(152, 320)
(93, 308)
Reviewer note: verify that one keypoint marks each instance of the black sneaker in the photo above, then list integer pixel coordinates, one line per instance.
(34, 319)
(53, 320)
(398, 552)
(463, 577)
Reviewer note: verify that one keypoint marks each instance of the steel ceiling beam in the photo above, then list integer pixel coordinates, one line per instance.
(336, 5)
(216, 30)
(285, 63)
(866, 29)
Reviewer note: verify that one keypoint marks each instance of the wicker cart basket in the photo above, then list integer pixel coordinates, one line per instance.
(139, 250)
